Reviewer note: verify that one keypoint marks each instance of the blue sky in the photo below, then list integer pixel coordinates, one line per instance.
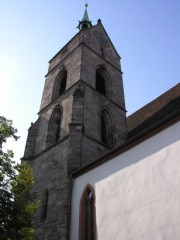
(145, 33)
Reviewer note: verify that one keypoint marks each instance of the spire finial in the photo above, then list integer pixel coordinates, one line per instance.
(85, 23)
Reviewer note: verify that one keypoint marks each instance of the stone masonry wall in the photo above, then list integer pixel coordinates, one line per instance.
(50, 171)
(72, 64)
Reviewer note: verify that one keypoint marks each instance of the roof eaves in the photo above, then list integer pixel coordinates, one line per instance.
(151, 131)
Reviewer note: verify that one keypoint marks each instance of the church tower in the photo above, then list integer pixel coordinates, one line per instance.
(82, 116)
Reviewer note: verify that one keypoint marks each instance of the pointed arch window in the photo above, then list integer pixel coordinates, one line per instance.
(63, 83)
(54, 127)
(44, 205)
(103, 81)
(106, 129)
(60, 85)
(100, 83)
(87, 222)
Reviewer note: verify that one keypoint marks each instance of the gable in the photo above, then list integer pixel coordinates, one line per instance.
(98, 40)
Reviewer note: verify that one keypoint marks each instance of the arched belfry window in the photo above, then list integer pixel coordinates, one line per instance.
(63, 83)
(100, 83)
(106, 129)
(87, 221)
(54, 127)
(60, 84)
(84, 26)
(44, 204)
(103, 82)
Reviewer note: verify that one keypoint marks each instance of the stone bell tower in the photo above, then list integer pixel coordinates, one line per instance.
(82, 116)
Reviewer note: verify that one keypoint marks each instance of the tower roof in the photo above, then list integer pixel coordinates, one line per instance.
(85, 22)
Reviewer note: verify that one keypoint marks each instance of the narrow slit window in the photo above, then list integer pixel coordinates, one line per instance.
(102, 51)
(106, 129)
(44, 205)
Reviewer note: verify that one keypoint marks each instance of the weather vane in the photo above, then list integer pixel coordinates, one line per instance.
(86, 4)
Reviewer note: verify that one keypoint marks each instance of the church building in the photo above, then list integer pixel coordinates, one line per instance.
(100, 175)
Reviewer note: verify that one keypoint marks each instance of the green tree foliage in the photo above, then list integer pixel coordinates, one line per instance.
(17, 202)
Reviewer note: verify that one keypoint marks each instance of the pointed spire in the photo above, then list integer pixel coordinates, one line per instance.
(85, 23)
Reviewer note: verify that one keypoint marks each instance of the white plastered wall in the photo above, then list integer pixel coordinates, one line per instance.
(137, 192)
